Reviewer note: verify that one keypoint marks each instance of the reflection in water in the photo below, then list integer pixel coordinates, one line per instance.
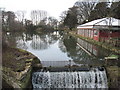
(57, 46)
(39, 43)
(95, 50)
(10, 38)
(77, 54)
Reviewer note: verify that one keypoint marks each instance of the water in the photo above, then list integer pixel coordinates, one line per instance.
(57, 49)
(89, 79)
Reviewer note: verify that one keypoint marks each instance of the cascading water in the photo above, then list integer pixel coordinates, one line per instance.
(78, 79)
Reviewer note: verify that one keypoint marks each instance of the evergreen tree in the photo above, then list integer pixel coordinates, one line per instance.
(71, 19)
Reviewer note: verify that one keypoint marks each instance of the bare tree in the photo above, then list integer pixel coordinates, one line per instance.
(37, 16)
(84, 9)
(43, 22)
(52, 22)
(63, 16)
(20, 15)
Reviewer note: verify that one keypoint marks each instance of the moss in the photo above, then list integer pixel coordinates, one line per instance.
(21, 50)
(28, 60)
(112, 57)
(116, 56)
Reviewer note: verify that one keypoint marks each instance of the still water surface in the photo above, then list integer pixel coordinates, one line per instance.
(59, 48)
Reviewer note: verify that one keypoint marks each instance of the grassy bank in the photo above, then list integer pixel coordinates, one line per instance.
(17, 67)
(104, 45)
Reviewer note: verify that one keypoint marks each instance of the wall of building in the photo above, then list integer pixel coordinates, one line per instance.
(98, 35)
(106, 35)
(109, 33)
(89, 33)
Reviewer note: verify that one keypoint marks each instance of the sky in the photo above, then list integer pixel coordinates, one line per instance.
(53, 7)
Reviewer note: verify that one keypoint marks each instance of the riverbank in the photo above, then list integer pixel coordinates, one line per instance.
(113, 71)
(104, 45)
(17, 67)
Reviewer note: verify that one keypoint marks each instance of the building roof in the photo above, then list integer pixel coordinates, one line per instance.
(105, 22)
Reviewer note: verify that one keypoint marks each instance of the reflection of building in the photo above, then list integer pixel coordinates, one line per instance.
(100, 29)
(87, 46)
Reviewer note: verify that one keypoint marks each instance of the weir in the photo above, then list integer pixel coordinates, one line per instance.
(93, 78)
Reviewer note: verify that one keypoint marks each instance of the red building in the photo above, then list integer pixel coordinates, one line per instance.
(100, 29)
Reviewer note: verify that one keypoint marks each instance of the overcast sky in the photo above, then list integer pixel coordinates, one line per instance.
(53, 7)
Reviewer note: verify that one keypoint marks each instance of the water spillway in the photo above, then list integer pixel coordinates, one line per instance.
(77, 79)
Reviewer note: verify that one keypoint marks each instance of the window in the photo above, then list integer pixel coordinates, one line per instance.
(95, 32)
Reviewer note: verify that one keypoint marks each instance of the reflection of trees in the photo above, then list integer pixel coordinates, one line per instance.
(74, 51)
(21, 41)
(22, 45)
(36, 41)
(29, 34)
(68, 44)
(10, 38)
(62, 46)
(43, 41)
(18, 39)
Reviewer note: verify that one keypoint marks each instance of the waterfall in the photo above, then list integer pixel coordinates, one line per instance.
(78, 79)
